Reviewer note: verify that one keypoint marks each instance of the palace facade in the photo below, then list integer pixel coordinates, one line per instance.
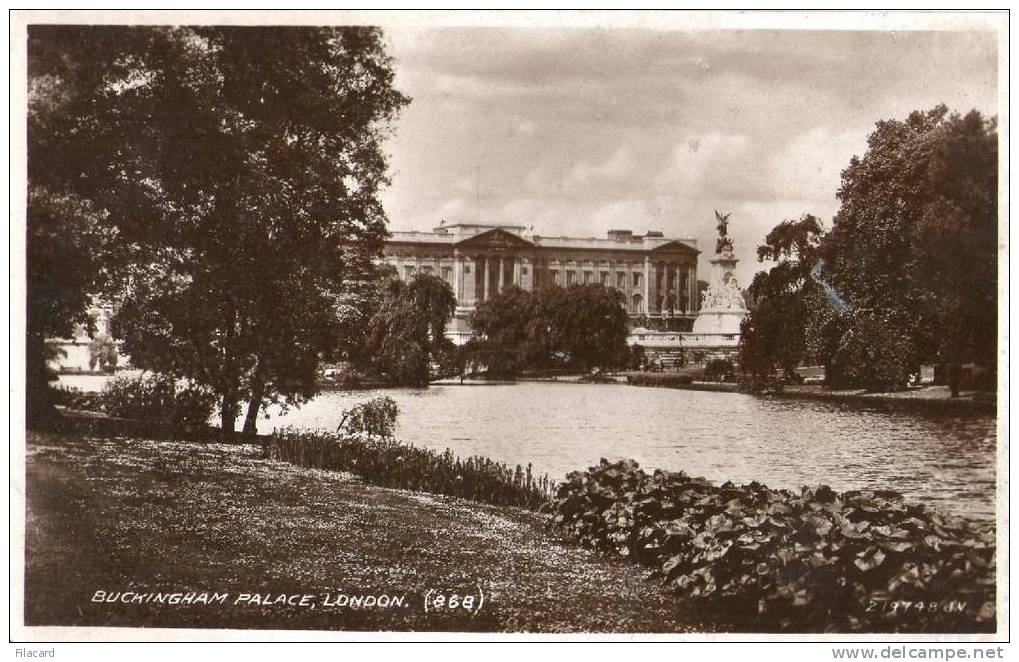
(656, 275)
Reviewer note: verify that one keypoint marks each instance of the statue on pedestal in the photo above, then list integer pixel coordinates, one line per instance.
(724, 243)
(723, 308)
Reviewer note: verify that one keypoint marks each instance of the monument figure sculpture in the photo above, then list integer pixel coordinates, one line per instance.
(722, 309)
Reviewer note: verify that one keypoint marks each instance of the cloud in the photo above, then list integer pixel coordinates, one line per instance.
(702, 165)
(810, 166)
(575, 131)
(618, 166)
(527, 127)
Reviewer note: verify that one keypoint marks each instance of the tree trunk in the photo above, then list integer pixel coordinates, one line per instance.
(39, 396)
(228, 414)
(229, 410)
(954, 376)
(254, 404)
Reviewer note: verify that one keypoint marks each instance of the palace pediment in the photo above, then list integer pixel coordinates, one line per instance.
(495, 240)
(675, 247)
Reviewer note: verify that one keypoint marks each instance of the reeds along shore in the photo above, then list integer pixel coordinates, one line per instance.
(392, 463)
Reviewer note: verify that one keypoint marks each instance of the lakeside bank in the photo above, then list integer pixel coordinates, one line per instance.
(129, 514)
(319, 548)
(934, 398)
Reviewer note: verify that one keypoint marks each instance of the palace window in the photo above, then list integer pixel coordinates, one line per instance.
(588, 277)
(553, 276)
(571, 277)
(410, 272)
(636, 279)
(447, 274)
(604, 278)
(427, 270)
(621, 280)
(638, 304)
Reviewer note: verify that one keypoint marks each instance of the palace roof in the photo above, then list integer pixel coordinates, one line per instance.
(470, 234)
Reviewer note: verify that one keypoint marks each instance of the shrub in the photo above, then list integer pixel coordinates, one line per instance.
(760, 384)
(497, 360)
(813, 561)
(874, 354)
(158, 399)
(637, 357)
(390, 463)
(74, 398)
(718, 370)
(667, 380)
(376, 418)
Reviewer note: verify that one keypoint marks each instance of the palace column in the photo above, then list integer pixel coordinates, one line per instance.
(458, 278)
(663, 291)
(484, 292)
(467, 284)
(516, 274)
(678, 285)
(652, 288)
(646, 296)
(692, 284)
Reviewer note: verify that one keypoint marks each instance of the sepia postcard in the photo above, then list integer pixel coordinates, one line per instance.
(510, 326)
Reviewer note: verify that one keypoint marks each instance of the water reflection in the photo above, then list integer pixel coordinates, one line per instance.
(948, 460)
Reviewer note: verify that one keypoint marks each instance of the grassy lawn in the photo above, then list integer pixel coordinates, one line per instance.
(133, 515)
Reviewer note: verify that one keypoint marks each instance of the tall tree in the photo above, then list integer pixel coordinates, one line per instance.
(510, 333)
(242, 167)
(915, 240)
(67, 235)
(408, 332)
(580, 326)
(65, 240)
(773, 334)
(592, 329)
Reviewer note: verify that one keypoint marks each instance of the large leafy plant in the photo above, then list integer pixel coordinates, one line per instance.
(816, 560)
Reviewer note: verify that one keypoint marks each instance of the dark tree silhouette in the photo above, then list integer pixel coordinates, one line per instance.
(241, 169)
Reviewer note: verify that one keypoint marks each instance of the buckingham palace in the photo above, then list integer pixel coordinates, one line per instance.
(656, 275)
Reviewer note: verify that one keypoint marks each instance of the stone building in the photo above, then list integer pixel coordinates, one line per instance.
(657, 275)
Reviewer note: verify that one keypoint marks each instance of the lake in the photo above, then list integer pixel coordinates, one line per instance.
(560, 427)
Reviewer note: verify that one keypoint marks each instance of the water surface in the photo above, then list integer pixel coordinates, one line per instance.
(947, 460)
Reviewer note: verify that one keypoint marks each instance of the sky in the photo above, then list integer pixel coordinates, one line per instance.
(576, 131)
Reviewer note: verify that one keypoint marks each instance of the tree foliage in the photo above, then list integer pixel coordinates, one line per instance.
(376, 418)
(65, 242)
(773, 334)
(241, 169)
(908, 273)
(914, 242)
(407, 333)
(579, 327)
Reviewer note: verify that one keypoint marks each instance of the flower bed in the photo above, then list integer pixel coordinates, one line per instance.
(390, 463)
(810, 561)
